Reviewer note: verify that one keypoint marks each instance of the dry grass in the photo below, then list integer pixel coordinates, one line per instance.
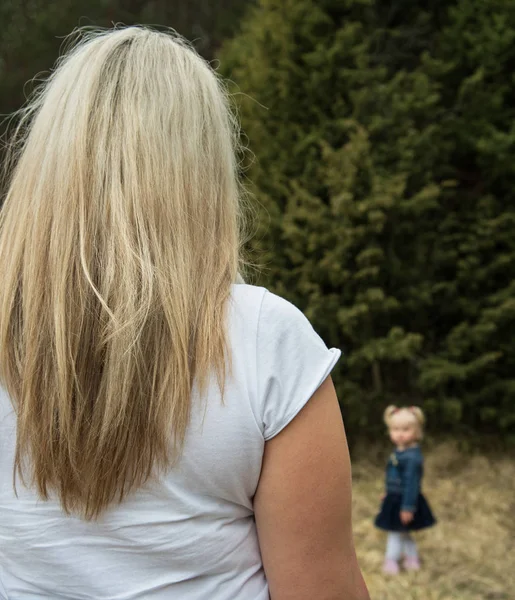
(470, 553)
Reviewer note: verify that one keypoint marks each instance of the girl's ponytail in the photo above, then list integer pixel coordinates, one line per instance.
(418, 413)
(388, 414)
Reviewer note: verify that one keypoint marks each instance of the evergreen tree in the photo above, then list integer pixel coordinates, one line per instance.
(382, 137)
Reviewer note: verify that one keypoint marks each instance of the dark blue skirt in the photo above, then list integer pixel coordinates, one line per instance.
(389, 515)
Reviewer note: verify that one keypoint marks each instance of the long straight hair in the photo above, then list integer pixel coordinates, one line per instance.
(119, 241)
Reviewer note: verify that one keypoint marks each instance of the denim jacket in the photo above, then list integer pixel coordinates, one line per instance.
(404, 475)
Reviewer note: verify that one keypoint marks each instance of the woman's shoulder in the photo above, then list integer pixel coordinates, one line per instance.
(283, 335)
(291, 360)
(257, 293)
(245, 293)
(269, 307)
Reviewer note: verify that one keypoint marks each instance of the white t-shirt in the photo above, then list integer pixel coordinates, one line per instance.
(191, 535)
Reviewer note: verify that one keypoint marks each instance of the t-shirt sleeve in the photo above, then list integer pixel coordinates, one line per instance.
(292, 363)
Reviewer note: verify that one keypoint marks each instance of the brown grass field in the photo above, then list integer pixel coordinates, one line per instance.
(470, 553)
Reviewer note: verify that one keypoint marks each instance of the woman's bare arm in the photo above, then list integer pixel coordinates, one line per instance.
(303, 507)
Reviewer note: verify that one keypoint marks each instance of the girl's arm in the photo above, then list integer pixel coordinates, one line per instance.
(412, 476)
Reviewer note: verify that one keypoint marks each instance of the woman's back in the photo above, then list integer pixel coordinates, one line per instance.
(145, 397)
(191, 534)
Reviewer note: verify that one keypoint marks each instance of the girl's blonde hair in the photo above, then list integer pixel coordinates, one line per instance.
(119, 241)
(406, 411)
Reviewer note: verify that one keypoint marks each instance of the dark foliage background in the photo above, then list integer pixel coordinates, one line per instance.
(384, 136)
(384, 178)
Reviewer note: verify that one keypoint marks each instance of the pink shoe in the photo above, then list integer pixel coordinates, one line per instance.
(390, 567)
(411, 563)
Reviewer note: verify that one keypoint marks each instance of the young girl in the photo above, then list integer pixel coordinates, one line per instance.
(404, 508)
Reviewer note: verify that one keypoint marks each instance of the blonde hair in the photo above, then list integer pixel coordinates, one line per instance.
(413, 412)
(119, 241)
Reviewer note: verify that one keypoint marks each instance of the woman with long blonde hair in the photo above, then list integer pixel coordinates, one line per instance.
(165, 432)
